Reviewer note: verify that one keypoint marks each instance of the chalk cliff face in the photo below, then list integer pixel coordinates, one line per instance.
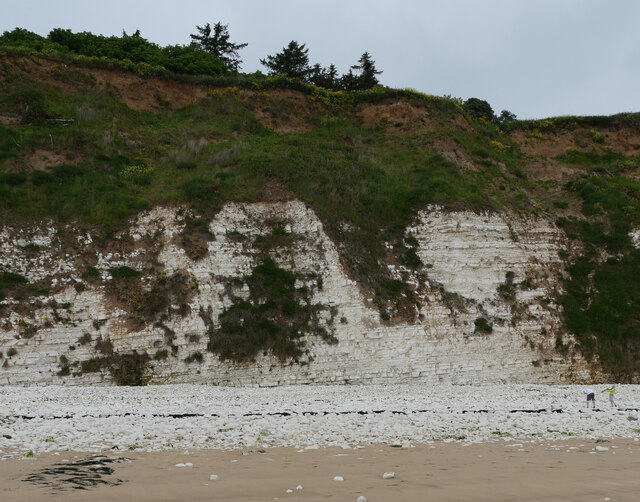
(486, 295)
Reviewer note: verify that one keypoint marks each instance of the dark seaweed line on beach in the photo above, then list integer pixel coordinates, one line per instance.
(281, 413)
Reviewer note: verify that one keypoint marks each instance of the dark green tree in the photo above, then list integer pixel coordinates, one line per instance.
(292, 61)
(505, 116)
(325, 77)
(25, 38)
(217, 42)
(365, 76)
(187, 59)
(136, 34)
(348, 81)
(20, 36)
(479, 108)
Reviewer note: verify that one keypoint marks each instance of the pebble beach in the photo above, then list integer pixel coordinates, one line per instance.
(154, 418)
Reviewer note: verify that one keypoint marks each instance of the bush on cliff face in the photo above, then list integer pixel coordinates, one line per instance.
(273, 319)
(602, 298)
(482, 325)
(126, 369)
(12, 283)
(31, 104)
(602, 308)
(144, 303)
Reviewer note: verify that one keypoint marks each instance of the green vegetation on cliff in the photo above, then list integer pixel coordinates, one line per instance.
(127, 49)
(602, 298)
(77, 146)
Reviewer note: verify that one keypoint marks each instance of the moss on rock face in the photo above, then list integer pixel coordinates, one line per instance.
(273, 319)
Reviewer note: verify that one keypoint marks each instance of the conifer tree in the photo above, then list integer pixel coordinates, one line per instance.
(325, 77)
(218, 43)
(366, 76)
(292, 61)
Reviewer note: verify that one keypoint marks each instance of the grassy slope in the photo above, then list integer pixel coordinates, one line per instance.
(365, 183)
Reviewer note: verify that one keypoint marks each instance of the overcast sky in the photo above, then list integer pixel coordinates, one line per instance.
(536, 58)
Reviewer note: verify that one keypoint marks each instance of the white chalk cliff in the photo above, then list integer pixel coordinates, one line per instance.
(466, 257)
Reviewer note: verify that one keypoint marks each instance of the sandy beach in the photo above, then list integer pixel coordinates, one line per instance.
(486, 442)
(499, 470)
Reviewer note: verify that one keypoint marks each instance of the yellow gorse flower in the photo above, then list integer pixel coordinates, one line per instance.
(140, 167)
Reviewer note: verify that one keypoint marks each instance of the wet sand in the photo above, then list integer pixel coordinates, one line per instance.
(445, 471)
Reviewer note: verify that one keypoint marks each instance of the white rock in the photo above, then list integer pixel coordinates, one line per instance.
(289, 490)
(338, 478)
(389, 475)
(469, 254)
(214, 477)
(602, 448)
(361, 498)
(188, 464)
(180, 465)
(299, 487)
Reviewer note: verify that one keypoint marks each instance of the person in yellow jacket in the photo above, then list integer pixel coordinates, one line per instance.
(611, 390)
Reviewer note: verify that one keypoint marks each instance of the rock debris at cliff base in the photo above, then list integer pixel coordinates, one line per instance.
(54, 418)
